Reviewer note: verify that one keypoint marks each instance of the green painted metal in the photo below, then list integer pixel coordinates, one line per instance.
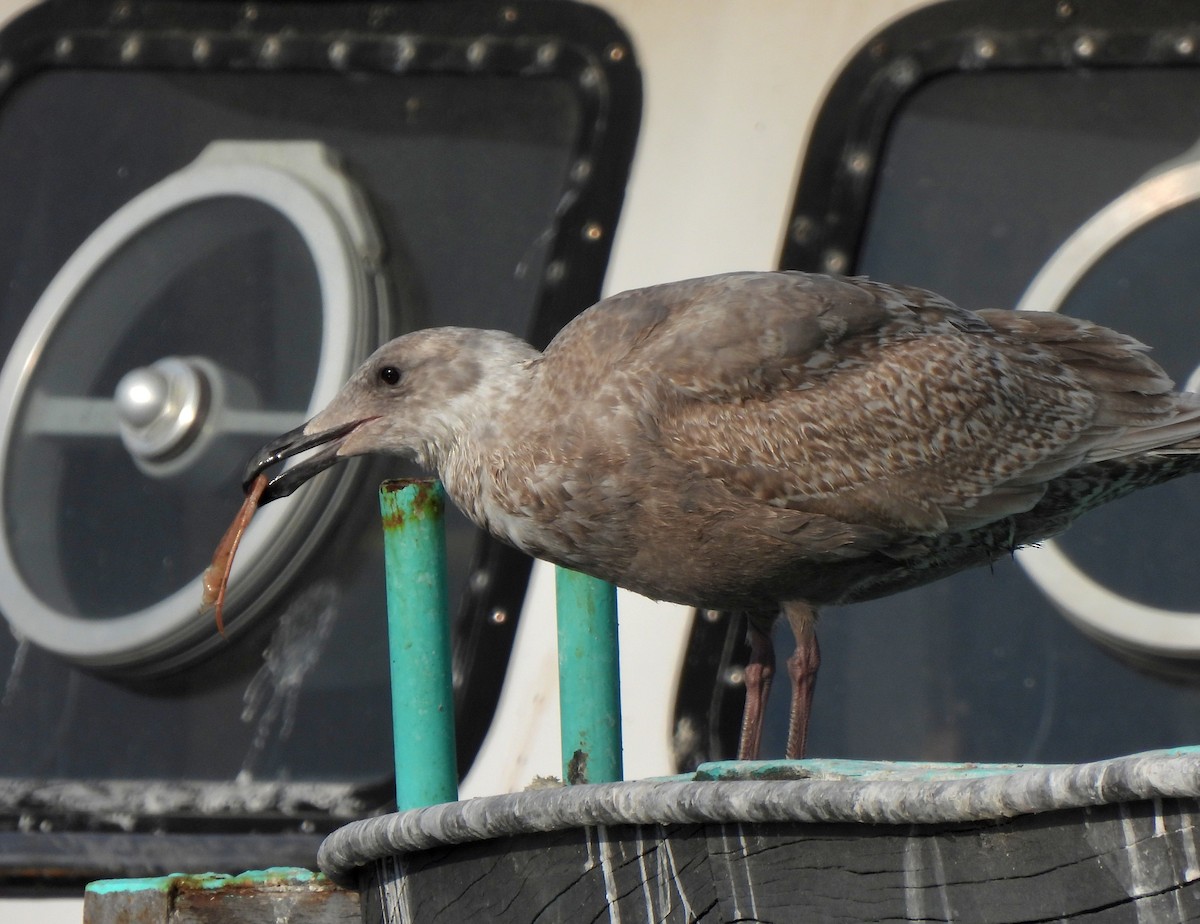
(862, 771)
(589, 683)
(299, 896)
(275, 876)
(419, 642)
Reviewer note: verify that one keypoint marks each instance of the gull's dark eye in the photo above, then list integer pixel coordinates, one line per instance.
(389, 375)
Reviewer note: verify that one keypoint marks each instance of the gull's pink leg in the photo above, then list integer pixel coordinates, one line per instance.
(802, 670)
(760, 669)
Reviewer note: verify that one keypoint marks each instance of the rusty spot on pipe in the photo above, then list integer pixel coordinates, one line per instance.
(426, 501)
(577, 768)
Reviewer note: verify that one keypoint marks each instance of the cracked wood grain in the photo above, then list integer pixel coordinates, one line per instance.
(1131, 862)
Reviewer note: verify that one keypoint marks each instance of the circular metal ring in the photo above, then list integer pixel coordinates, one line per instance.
(299, 181)
(1099, 612)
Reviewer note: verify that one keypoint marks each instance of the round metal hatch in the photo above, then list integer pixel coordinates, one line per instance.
(1166, 205)
(220, 307)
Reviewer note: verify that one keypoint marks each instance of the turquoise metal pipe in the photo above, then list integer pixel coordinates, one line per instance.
(589, 682)
(414, 542)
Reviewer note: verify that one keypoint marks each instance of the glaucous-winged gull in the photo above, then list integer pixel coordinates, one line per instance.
(767, 442)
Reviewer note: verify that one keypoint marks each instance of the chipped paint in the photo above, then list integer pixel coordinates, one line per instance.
(272, 877)
(577, 768)
(424, 500)
(279, 894)
(868, 770)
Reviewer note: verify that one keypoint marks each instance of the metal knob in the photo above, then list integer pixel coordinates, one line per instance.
(142, 397)
(160, 408)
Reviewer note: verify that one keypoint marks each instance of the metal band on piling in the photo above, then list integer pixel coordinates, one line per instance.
(589, 686)
(419, 642)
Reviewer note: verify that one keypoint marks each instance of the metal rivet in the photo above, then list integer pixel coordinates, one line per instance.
(556, 271)
(984, 48)
(479, 581)
(580, 171)
(509, 14)
(616, 52)
(201, 50)
(498, 617)
(477, 53)
(406, 51)
(1185, 45)
(735, 677)
(131, 48)
(803, 229)
(64, 47)
(858, 162)
(834, 261)
(122, 11)
(547, 54)
(589, 77)
(711, 615)
(270, 50)
(903, 72)
(1064, 9)
(592, 231)
(1084, 46)
(339, 52)
(250, 12)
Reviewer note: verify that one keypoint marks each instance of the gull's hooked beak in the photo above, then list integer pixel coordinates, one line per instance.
(292, 443)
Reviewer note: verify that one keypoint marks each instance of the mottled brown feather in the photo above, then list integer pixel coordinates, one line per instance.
(753, 438)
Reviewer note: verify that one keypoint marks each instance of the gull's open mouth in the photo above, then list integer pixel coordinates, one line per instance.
(293, 443)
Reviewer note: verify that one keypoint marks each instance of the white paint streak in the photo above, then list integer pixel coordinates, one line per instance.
(939, 871)
(587, 839)
(1160, 829)
(1140, 882)
(678, 880)
(1180, 914)
(661, 872)
(745, 865)
(1187, 837)
(610, 879)
(16, 671)
(914, 893)
(283, 907)
(646, 896)
(393, 891)
(733, 890)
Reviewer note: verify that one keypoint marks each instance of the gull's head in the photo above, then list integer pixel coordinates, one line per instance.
(412, 397)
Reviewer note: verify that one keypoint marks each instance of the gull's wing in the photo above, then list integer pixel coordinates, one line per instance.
(881, 406)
